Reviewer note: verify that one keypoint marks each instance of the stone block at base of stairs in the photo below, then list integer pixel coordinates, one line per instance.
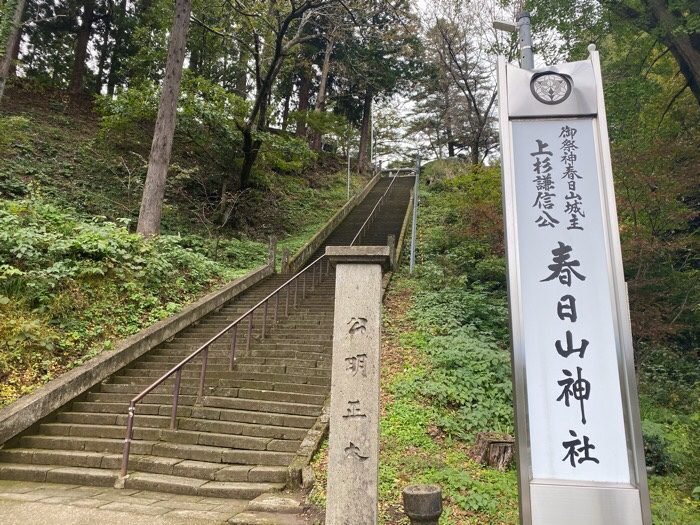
(266, 518)
(277, 503)
(198, 487)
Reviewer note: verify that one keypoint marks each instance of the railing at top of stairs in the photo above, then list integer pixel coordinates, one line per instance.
(320, 266)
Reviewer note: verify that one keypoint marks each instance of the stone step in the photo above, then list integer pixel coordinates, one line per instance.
(165, 363)
(196, 487)
(184, 350)
(139, 384)
(237, 403)
(283, 378)
(224, 414)
(210, 453)
(220, 454)
(131, 391)
(272, 333)
(262, 357)
(276, 407)
(274, 386)
(137, 480)
(253, 418)
(279, 440)
(142, 423)
(212, 379)
(95, 477)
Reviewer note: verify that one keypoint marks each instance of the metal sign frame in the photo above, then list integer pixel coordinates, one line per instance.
(546, 501)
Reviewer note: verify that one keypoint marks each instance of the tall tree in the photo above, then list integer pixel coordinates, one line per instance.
(320, 105)
(120, 23)
(161, 147)
(10, 24)
(676, 24)
(77, 78)
(280, 31)
(673, 23)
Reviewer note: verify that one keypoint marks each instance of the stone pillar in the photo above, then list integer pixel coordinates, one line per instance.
(272, 253)
(391, 242)
(284, 267)
(353, 461)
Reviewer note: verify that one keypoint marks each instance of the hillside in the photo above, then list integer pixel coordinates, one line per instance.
(74, 278)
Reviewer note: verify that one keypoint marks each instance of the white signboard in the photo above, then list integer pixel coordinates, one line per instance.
(580, 451)
(575, 409)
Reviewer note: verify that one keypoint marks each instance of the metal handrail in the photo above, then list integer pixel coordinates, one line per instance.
(233, 328)
(377, 207)
(204, 349)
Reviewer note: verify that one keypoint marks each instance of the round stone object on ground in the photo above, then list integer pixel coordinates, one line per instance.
(422, 504)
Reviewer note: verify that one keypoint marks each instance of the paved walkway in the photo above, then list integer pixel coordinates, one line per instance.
(28, 503)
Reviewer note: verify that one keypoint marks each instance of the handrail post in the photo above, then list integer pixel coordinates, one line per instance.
(303, 286)
(264, 320)
(286, 302)
(202, 374)
(127, 440)
(250, 331)
(176, 398)
(296, 291)
(277, 305)
(232, 357)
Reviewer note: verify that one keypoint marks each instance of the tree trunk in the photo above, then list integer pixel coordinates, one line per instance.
(285, 107)
(12, 40)
(104, 48)
(321, 98)
(304, 94)
(77, 78)
(117, 50)
(15, 55)
(655, 18)
(474, 152)
(365, 131)
(159, 159)
(241, 83)
(449, 135)
(684, 48)
(251, 148)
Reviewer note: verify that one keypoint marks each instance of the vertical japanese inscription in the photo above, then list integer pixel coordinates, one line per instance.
(574, 402)
(354, 428)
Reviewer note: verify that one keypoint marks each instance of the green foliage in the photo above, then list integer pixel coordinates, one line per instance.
(656, 450)
(461, 307)
(443, 312)
(284, 153)
(13, 133)
(672, 505)
(470, 381)
(68, 286)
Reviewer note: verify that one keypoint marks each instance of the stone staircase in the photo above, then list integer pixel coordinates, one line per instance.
(239, 441)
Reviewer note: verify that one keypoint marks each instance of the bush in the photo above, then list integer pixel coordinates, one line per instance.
(68, 287)
(470, 380)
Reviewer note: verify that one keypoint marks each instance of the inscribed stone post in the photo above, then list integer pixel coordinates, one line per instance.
(354, 426)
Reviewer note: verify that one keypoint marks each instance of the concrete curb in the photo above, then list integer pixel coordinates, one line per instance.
(23, 413)
(297, 262)
(309, 446)
(404, 229)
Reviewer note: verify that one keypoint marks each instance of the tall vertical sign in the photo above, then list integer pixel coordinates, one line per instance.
(353, 445)
(580, 450)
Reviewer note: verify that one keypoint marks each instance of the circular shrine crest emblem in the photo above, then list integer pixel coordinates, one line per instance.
(550, 88)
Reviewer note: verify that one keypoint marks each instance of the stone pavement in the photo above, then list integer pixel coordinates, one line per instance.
(29, 503)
